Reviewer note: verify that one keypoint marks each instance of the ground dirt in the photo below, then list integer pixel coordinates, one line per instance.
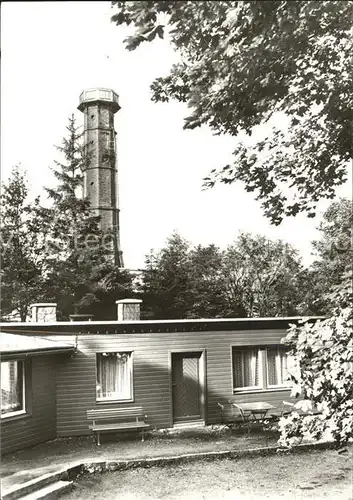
(318, 474)
(51, 454)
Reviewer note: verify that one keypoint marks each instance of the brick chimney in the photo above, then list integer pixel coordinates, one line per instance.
(44, 312)
(128, 309)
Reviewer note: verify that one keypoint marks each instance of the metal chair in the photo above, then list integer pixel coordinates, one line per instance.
(239, 414)
(228, 416)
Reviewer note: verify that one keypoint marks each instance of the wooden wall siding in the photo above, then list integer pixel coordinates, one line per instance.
(76, 377)
(40, 424)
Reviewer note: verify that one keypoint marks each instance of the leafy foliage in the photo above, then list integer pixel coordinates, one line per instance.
(324, 353)
(334, 257)
(21, 245)
(266, 275)
(324, 350)
(167, 285)
(253, 277)
(211, 298)
(250, 63)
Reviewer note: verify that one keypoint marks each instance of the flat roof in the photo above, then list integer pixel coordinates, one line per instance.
(24, 344)
(160, 321)
(144, 326)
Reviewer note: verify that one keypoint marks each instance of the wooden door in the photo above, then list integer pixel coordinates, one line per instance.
(187, 400)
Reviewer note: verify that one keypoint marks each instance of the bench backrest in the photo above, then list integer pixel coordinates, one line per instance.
(115, 413)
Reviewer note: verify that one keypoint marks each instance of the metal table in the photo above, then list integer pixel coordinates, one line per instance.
(256, 408)
(254, 412)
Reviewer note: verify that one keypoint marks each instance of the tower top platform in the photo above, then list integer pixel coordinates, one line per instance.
(89, 96)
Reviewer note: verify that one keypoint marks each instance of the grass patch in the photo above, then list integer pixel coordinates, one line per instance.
(316, 474)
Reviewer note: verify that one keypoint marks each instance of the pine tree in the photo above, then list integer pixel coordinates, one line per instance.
(167, 280)
(81, 275)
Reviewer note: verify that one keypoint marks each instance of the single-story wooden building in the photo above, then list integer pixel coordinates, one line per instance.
(28, 389)
(176, 370)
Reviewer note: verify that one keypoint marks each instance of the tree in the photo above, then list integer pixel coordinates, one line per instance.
(253, 277)
(324, 375)
(264, 277)
(323, 378)
(80, 272)
(244, 64)
(211, 299)
(167, 280)
(21, 247)
(182, 281)
(333, 252)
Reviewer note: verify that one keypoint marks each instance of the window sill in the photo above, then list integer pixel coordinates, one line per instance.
(113, 401)
(10, 417)
(261, 391)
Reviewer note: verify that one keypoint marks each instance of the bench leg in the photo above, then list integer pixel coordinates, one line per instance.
(98, 439)
(142, 435)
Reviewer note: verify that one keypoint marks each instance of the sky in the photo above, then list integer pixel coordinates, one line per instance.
(51, 51)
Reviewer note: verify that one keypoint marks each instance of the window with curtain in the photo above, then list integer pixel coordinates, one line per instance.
(12, 388)
(260, 368)
(114, 376)
(246, 368)
(277, 374)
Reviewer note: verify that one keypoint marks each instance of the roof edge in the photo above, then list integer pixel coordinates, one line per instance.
(159, 321)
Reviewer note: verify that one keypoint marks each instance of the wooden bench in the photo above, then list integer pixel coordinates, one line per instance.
(117, 419)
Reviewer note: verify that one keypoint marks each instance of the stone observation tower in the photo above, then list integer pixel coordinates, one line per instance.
(101, 174)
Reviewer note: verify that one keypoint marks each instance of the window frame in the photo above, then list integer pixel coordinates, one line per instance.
(131, 370)
(23, 410)
(260, 369)
(263, 386)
